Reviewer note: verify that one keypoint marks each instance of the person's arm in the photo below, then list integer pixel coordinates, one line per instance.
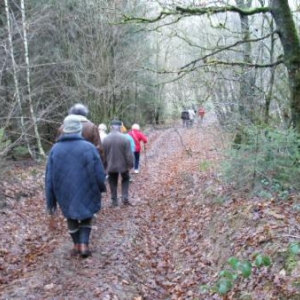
(104, 162)
(99, 171)
(51, 202)
(143, 137)
(97, 142)
(128, 155)
(132, 143)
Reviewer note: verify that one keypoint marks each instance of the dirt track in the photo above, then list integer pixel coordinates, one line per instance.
(139, 252)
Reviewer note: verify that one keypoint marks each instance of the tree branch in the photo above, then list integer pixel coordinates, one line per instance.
(218, 62)
(203, 58)
(215, 10)
(161, 16)
(196, 11)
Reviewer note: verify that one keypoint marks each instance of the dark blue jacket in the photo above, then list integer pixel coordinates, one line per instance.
(74, 178)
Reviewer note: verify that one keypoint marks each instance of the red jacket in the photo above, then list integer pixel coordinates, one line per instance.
(138, 137)
(201, 112)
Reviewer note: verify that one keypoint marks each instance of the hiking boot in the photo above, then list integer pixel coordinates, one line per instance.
(127, 203)
(114, 204)
(75, 251)
(84, 251)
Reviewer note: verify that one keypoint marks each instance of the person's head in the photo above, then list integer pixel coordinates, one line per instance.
(115, 125)
(72, 126)
(135, 127)
(78, 109)
(102, 127)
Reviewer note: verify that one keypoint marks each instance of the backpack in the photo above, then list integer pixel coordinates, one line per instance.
(185, 115)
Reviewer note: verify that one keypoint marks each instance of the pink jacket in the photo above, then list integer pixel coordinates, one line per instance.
(138, 137)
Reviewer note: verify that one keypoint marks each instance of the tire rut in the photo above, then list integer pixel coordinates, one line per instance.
(123, 240)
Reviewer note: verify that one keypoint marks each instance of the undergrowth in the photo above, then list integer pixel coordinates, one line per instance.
(267, 164)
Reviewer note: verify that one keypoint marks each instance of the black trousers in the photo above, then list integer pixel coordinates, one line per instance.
(113, 184)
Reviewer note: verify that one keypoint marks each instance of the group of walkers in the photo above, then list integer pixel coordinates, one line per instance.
(83, 158)
(189, 116)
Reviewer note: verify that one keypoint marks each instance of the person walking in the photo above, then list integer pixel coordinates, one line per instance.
(132, 144)
(74, 180)
(201, 113)
(118, 161)
(102, 132)
(89, 130)
(191, 117)
(129, 137)
(185, 118)
(138, 137)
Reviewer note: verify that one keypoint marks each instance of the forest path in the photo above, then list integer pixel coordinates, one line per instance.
(154, 249)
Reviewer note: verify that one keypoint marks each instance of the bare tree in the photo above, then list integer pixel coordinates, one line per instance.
(31, 109)
(285, 30)
(15, 76)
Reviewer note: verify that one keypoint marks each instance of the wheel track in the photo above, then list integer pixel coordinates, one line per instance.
(124, 240)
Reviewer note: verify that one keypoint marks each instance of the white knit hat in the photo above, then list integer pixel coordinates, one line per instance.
(102, 127)
(72, 126)
(135, 126)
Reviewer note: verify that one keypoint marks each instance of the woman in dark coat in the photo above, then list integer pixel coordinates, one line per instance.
(75, 179)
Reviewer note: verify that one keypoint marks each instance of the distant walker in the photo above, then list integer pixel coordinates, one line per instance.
(201, 113)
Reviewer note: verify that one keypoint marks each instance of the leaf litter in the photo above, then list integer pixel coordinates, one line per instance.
(184, 225)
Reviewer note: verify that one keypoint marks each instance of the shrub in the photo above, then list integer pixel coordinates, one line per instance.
(268, 163)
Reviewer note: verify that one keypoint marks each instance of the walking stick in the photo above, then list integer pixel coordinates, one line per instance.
(145, 155)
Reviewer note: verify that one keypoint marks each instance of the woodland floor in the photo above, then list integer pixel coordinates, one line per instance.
(171, 244)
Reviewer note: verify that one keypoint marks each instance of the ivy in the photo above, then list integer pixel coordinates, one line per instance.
(239, 269)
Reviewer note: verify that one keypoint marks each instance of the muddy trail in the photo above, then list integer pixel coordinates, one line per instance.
(138, 252)
(170, 244)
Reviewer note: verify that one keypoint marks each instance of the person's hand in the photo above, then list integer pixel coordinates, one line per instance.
(52, 222)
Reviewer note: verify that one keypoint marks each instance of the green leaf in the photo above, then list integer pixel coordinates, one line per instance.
(245, 267)
(266, 260)
(235, 276)
(234, 263)
(262, 260)
(226, 274)
(259, 260)
(224, 286)
(294, 248)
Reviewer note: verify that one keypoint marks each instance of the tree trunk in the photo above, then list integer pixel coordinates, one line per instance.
(289, 38)
(246, 101)
(247, 81)
(15, 76)
(33, 117)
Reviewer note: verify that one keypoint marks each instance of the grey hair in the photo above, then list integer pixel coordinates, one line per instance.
(115, 128)
(79, 109)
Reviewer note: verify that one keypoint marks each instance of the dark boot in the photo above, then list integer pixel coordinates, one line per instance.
(76, 250)
(84, 250)
(114, 203)
(84, 237)
(75, 237)
(126, 202)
